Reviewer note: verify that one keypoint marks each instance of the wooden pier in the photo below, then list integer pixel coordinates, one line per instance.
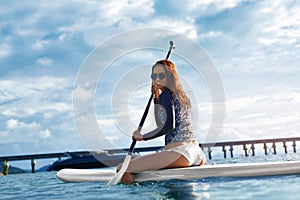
(269, 147)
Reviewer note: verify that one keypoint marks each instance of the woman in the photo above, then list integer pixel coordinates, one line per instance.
(172, 115)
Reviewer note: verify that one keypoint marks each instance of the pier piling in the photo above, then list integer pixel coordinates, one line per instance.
(33, 163)
(209, 153)
(6, 166)
(253, 149)
(231, 151)
(274, 148)
(294, 146)
(285, 147)
(224, 150)
(245, 149)
(266, 148)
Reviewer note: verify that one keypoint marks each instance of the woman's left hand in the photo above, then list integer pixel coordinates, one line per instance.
(137, 136)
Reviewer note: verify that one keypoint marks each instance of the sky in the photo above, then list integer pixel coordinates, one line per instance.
(44, 46)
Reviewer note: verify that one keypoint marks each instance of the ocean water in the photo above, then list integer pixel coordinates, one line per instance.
(45, 185)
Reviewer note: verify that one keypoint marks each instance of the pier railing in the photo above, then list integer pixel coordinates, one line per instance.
(269, 146)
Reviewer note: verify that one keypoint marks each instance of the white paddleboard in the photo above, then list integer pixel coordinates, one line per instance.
(189, 173)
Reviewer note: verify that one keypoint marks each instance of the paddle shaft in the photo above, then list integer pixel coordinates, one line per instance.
(141, 123)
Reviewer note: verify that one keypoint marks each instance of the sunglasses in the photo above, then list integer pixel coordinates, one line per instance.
(161, 76)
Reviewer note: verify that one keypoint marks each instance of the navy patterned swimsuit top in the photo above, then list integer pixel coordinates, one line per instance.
(172, 121)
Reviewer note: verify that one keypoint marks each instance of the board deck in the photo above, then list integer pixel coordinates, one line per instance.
(189, 173)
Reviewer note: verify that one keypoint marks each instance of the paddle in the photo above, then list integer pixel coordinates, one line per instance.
(116, 179)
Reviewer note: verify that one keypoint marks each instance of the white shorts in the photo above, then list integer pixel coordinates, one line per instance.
(192, 152)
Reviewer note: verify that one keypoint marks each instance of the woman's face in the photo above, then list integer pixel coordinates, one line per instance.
(159, 77)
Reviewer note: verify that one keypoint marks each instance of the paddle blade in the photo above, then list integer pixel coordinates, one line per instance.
(116, 179)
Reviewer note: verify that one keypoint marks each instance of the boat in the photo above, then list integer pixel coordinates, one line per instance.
(188, 173)
(88, 161)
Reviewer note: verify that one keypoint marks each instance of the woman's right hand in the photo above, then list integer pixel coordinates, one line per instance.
(137, 136)
(155, 91)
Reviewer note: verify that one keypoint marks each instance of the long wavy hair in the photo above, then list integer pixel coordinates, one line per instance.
(173, 82)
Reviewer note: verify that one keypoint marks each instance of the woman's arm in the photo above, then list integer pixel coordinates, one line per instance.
(163, 117)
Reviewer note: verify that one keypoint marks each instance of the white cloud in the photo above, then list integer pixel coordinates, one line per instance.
(267, 41)
(5, 50)
(28, 86)
(44, 95)
(45, 134)
(285, 20)
(44, 61)
(262, 116)
(12, 123)
(252, 116)
(40, 44)
(210, 35)
(22, 132)
(115, 11)
(99, 20)
(15, 124)
(210, 5)
(36, 115)
(179, 26)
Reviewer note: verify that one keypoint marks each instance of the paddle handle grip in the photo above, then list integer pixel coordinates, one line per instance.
(172, 46)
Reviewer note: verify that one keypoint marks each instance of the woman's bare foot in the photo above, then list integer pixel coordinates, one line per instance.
(127, 178)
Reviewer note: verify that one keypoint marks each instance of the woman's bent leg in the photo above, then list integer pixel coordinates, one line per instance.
(154, 161)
